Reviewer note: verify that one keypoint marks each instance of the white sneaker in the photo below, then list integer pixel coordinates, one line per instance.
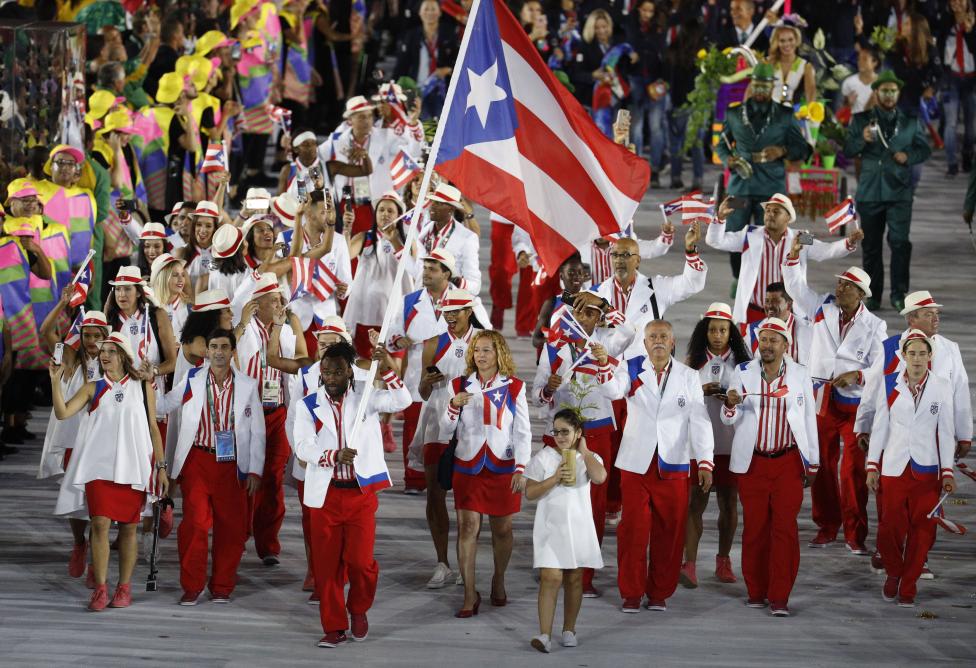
(926, 573)
(542, 643)
(569, 639)
(459, 582)
(441, 576)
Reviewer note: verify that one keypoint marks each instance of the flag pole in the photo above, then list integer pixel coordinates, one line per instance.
(394, 303)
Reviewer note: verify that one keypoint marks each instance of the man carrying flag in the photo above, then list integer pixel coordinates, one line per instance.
(517, 142)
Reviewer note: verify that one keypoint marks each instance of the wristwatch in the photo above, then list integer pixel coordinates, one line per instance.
(161, 466)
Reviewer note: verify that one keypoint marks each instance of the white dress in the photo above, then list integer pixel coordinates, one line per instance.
(199, 265)
(113, 443)
(372, 287)
(61, 434)
(720, 370)
(563, 534)
(178, 313)
(144, 344)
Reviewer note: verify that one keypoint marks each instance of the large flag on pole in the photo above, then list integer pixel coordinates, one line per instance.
(516, 141)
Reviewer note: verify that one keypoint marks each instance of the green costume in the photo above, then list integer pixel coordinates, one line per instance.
(885, 192)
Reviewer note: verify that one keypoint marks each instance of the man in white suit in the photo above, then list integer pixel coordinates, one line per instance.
(774, 451)
(667, 426)
(221, 438)
(779, 304)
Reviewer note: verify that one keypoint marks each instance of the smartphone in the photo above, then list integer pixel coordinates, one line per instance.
(738, 202)
(315, 174)
(58, 353)
(302, 191)
(433, 369)
(806, 239)
(235, 51)
(623, 117)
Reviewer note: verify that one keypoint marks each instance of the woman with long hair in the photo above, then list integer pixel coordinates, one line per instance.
(113, 459)
(680, 69)
(197, 252)
(715, 349)
(564, 540)
(597, 40)
(792, 73)
(915, 61)
(444, 357)
(169, 281)
(152, 244)
(78, 366)
(648, 90)
(489, 416)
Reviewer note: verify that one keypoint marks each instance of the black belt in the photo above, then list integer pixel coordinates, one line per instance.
(774, 455)
(207, 449)
(345, 484)
(269, 411)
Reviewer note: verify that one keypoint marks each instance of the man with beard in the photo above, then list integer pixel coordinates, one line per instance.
(757, 139)
(889, 143)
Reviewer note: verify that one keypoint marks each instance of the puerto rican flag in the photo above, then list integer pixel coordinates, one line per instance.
(695, 208)
(82, 285)
(310, 276)
(214, 160)
(402, 169)
(518, 143)
(73, 338)
(841, 215)
(281, 116)
(497, 401)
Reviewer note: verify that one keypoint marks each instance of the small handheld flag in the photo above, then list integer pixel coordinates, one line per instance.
(214, 160)
(82, 281)
(403, 169)
(73, 338)
(841, 215)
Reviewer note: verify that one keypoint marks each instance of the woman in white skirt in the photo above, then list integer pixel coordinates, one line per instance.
(79, 364)
(564, 538)
(113, 459)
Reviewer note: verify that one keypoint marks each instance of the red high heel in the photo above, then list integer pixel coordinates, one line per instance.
(465, 614)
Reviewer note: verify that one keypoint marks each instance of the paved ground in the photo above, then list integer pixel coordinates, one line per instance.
(839, 616)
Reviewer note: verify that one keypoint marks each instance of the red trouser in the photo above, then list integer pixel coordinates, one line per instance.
(412, 479)
(613, 473)
(905, 536)
(306, 516)
(212, 497)
(343, 531)
(654, 513)
(269, 501)
(771, 493)
(526, 302)
(598, 442)
(829, 498)
(502, 267)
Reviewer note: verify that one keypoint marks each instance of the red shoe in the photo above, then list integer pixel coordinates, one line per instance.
(657, 606)
(309, 584)
(589, 591)
(465, 614)
(890, 590)
(90, 578)
(926, 573)
(823, 539)
(779, 610)
(631, 605)
(906, 602)
(313, 599)
(122, 597)
(857, 549)
(190, 598)
(332, 639)
(389, 443)
(500, 601)
(219, 598)
(99, 598)
(756, 603)
(723, 570)
(687, 576)
(877, 565)
(79, 557)
(360, 627)
(166, 522)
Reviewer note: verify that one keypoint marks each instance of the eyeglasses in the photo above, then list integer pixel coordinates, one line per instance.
(622, 256)
(66, 164)
(559, 433)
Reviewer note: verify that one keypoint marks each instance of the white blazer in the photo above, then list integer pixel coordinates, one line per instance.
(505, 446)
(667, 290)
(906, 435)
(750, 241)
(674, 424)
(800, 413)
(861, 350)
(249, 433)
(417, 322)
(465, 245)
(316, 432)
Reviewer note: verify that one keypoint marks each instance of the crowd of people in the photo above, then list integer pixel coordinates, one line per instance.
(214, 331)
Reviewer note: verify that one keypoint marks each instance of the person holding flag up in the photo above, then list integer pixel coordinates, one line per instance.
(889, 143)
(913, 430)
(764, 248)
(341, 482)
(847, 349)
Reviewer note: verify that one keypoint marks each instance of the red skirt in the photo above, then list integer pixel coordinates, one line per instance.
(114, 501)
(433, 452)
(486, 493)
(721, 475)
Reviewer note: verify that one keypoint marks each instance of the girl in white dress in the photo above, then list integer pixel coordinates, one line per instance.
(113, 459)
(564, 538)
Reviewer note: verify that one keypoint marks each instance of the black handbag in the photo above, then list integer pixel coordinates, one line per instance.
(445, 465)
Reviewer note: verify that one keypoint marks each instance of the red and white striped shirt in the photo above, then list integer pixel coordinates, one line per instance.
(257, 367)
(621, 295)
(791, 325)
(770, 269)
(222, 397)
(774, 429)
(600, 267)
(845, 325)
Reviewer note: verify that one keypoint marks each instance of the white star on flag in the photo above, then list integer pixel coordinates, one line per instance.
(497, 396)
(484, 91)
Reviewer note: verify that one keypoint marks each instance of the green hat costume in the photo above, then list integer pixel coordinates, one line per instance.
(763, 72)
(887, 77)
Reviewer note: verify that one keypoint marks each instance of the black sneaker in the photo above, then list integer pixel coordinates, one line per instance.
(11, 435)
(677, 184)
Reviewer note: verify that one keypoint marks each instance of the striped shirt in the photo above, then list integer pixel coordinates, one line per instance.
(257, 367)
(770, 267)
(621, 295)
(791, 326)
(845, 325)
(774, 429)
(222, 398)
(600, 267)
